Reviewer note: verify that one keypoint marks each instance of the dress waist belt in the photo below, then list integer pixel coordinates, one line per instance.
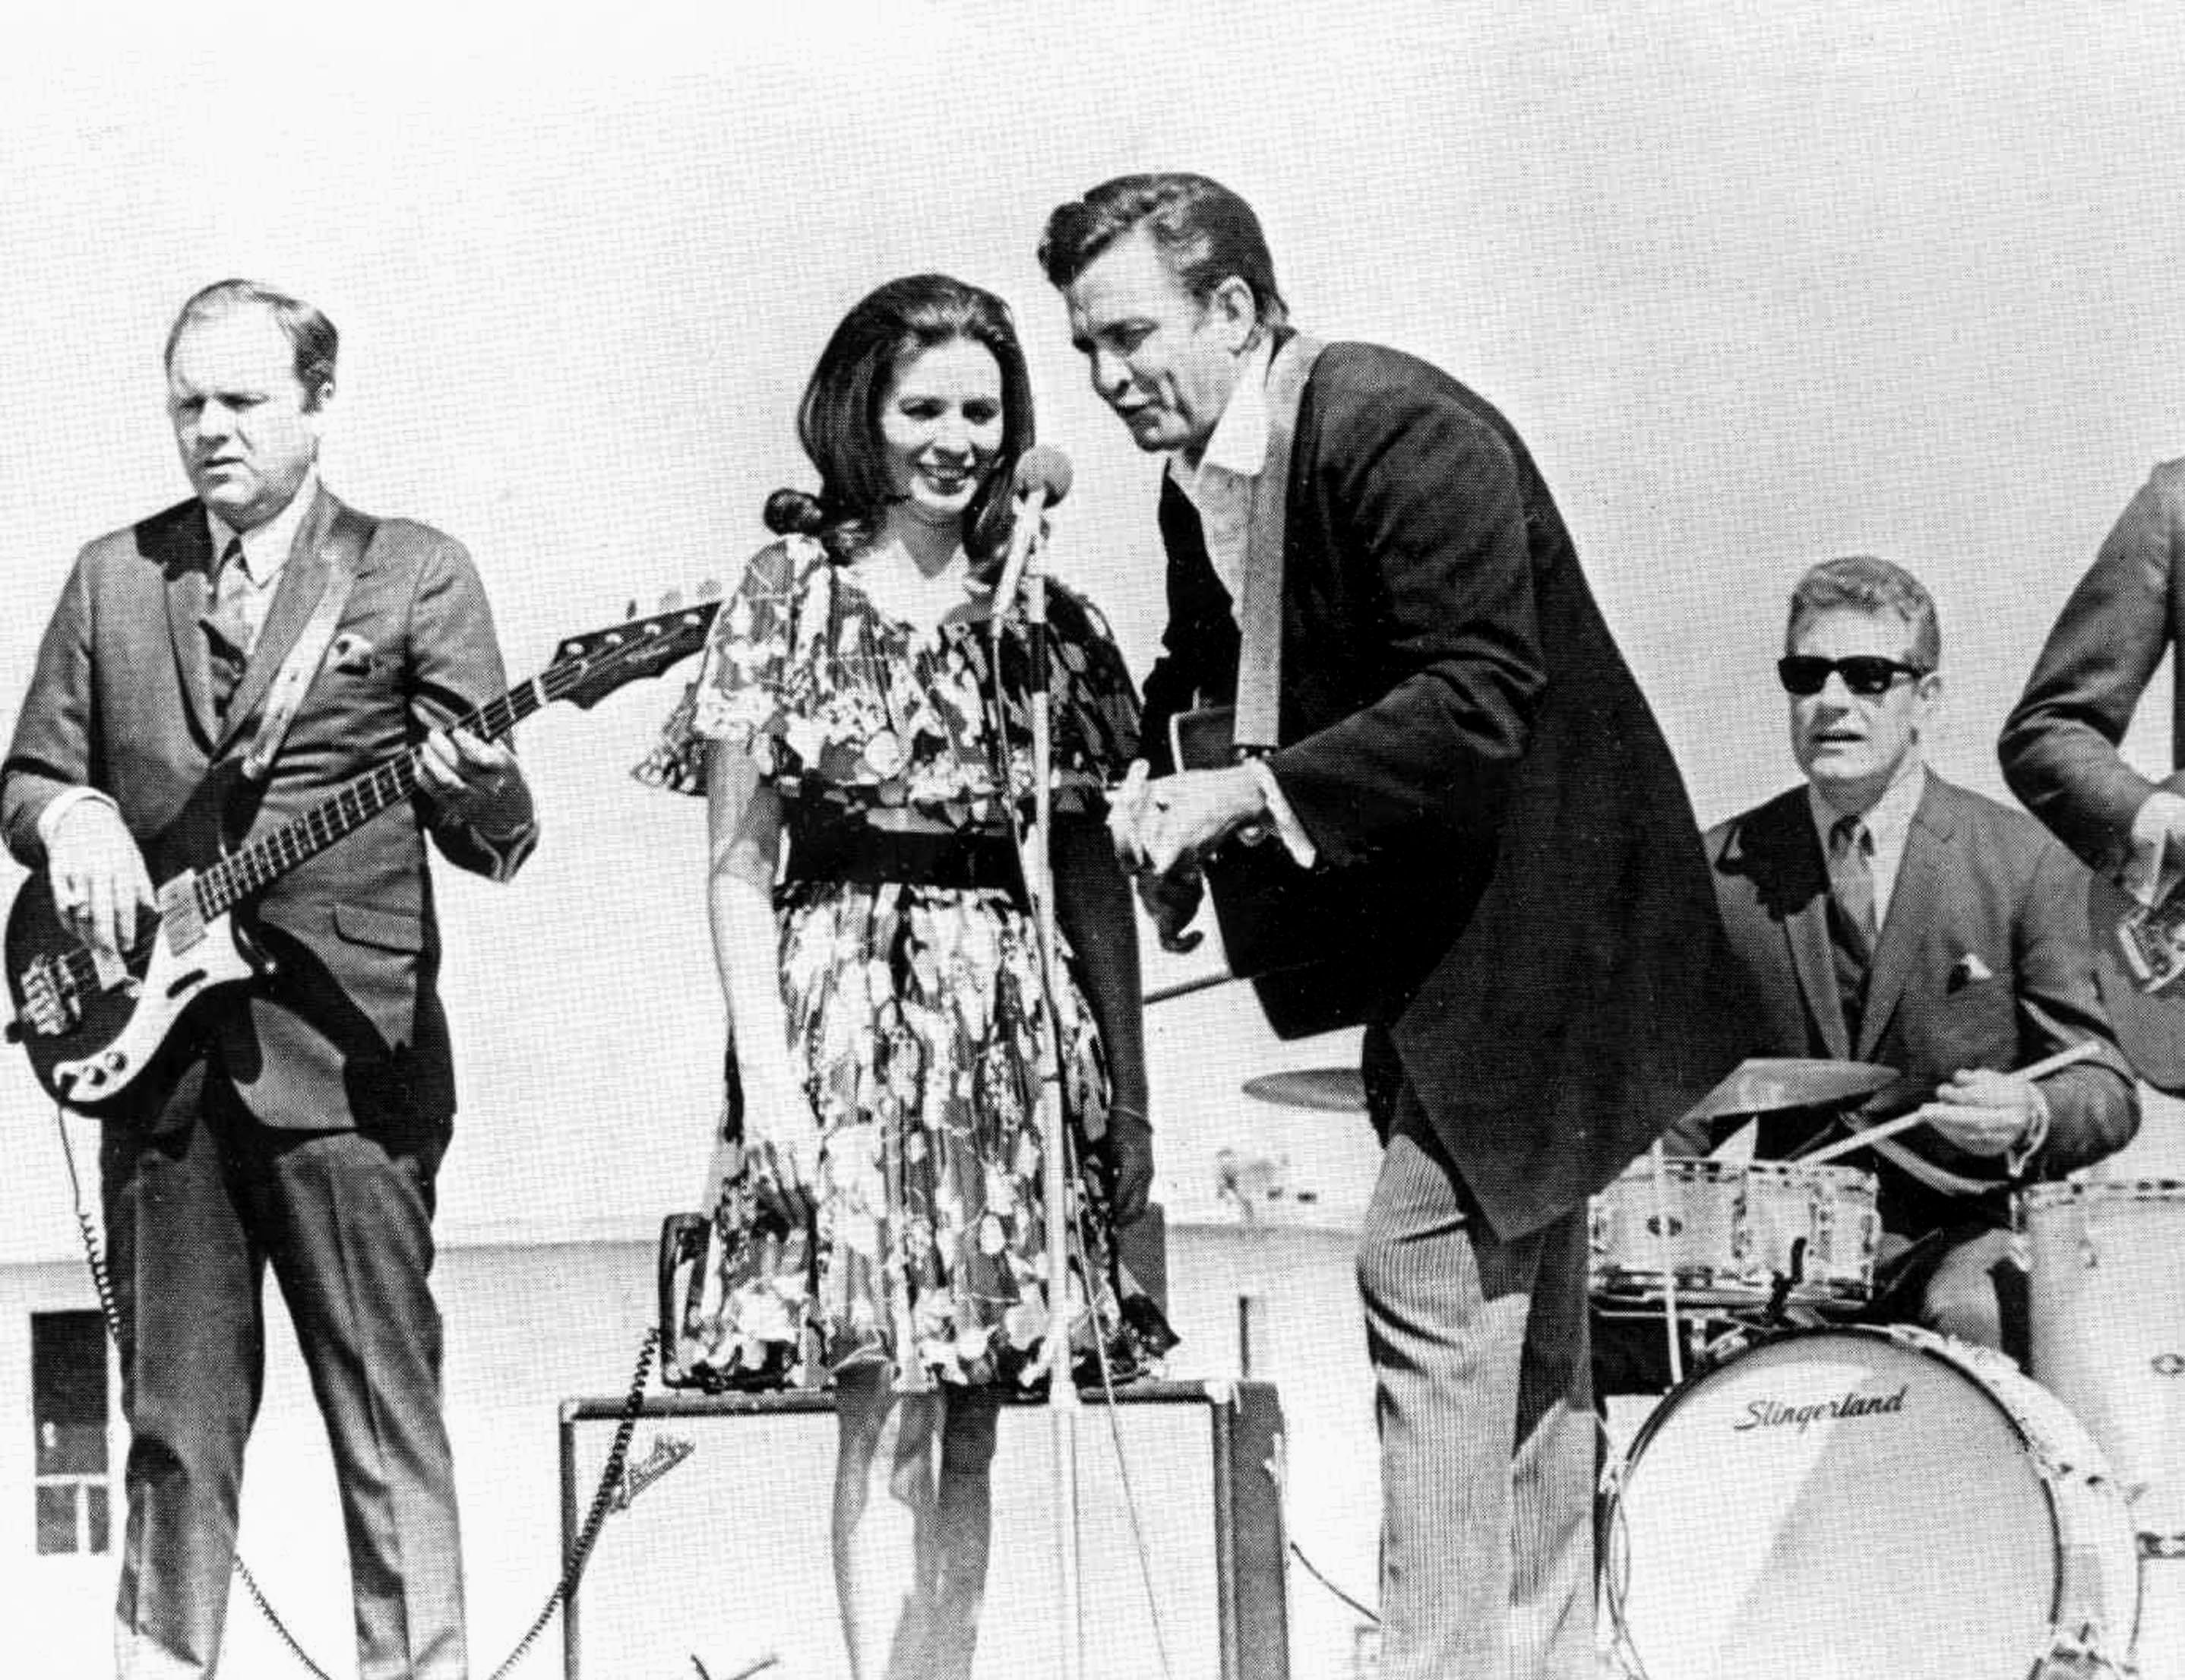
(970, 859)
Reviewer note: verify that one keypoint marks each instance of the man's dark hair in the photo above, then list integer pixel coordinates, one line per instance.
(1204, 231)
(839, 420)
(309, 333)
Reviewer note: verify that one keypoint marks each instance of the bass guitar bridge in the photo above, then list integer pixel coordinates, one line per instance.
(52, 1001)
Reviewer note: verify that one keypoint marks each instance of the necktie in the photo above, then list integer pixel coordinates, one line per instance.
(1852, 928)
(1850, 875)
(228, 633)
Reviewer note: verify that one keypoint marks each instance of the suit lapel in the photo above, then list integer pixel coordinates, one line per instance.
(303, 578)
(188, 567)
(1921, 876)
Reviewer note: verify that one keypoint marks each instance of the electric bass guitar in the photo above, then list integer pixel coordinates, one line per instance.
(92, 1020)
(2139, 964)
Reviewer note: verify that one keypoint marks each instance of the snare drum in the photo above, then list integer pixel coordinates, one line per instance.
(1841, 1503)
(1727, 1229)
(2107, 1300)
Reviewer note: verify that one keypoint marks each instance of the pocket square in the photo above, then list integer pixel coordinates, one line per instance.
(1969, 969)
(351, 652)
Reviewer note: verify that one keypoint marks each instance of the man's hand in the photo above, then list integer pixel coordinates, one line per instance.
(1984, 1112)
(475, 782)
(1180, 819)
(97, 874)
(1172, 901)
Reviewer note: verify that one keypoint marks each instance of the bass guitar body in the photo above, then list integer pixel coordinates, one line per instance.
(93, 1025)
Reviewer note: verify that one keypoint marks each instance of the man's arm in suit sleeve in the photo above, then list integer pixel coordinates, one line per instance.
(51, 751)
(1432, 494)
(2093, 1106)
(454, 667)
(2059, 747)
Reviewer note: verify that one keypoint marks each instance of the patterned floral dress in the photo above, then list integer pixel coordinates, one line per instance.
(912, 1008)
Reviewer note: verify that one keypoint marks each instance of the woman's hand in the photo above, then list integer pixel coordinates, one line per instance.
(1129, 1148)
(781, 1141)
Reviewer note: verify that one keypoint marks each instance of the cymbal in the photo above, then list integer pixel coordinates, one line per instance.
(1763, 1083)
(1337, 1090)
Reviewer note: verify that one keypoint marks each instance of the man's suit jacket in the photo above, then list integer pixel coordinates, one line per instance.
(2060, 744)
(349, 1027)
(1982, 962)
(1457, 724)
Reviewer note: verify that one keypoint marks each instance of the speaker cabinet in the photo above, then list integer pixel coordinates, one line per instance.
(716, 1554)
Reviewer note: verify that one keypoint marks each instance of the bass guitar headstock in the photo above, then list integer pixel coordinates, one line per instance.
(589, 667)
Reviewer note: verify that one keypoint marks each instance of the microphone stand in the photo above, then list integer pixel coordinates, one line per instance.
(1063, 1405)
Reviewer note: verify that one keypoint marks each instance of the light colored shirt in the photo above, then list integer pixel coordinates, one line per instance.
(265, 549)
(1220, 491)
(1220, 488)
(1889, 823)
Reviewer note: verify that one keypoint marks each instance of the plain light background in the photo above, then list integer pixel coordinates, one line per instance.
(1759, 284)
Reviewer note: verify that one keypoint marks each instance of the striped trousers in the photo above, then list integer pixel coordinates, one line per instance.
(1484, 1404)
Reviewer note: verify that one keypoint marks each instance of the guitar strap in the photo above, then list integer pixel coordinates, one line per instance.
(1260, 614)
(342, 549)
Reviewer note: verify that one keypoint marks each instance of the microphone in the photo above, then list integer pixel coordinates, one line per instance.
(1042, 479)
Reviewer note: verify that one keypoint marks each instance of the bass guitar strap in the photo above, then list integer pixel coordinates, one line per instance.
(347, 537)
(1260, 613)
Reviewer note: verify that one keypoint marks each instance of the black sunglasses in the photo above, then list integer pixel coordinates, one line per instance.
(1866, 675)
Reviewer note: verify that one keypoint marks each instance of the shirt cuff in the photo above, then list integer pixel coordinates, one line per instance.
(49, 820)
(2020, 1155)
(1295, 840)
(2149, 873)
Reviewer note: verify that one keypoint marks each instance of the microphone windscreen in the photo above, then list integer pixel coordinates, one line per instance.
(1044, 470)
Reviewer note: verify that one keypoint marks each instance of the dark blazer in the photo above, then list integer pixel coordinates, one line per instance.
(1982, 962)
(1458, 724)
(350, 1026)
(2060, 744)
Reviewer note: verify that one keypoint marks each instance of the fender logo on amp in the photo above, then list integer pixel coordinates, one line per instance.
(667, 1452)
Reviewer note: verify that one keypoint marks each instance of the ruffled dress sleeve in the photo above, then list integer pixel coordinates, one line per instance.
(1096, 705)
(743, 691)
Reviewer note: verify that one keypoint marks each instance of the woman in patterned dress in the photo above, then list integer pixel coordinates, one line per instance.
(881, 1219)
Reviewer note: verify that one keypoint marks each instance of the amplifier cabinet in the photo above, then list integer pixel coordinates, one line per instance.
(716, 1554)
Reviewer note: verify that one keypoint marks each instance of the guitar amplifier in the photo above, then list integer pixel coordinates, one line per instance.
(715, 1556)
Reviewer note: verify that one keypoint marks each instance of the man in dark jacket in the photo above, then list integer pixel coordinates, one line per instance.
(1461, 753)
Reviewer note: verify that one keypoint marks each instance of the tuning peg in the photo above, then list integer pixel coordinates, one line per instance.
(671, 600)
(710, 590)
(630, 610)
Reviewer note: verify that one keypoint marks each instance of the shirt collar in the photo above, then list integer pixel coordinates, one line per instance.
(1239, 444)
(265, 549)
(1891, 818)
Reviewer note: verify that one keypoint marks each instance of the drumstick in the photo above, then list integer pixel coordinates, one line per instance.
(2040, 1070)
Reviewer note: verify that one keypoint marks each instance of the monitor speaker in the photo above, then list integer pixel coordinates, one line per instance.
(715, 1558)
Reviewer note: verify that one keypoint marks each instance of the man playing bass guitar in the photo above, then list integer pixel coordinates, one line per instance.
(298, 1117)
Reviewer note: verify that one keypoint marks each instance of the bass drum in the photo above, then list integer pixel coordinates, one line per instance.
(1839, 1504)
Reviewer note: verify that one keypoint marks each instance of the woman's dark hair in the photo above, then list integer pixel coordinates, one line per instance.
(839, 420)
(1204, 231)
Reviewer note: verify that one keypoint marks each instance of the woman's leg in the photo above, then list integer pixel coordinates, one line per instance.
(884, 1511)
(961, 1528)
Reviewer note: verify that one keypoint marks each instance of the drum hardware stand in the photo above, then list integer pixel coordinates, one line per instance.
(603, 1500)
(1777, 1311)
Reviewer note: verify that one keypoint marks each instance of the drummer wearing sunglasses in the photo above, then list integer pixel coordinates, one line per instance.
(1885, 916)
